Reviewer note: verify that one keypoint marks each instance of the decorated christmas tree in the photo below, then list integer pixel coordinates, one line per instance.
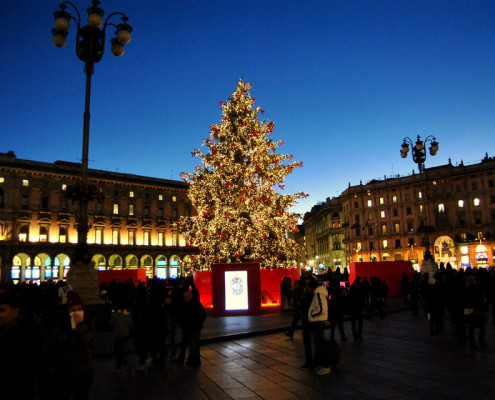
(240, 217)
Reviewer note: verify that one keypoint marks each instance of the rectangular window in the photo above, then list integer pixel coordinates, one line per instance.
(396, 212)
(25, 201)
(370, 203)
(384, 229)
(160, 211)
(174, 199)
(382, 200)
(174, 212)
(408, 210)
(116, 209)
(131, 209)
(372, 246)
(394, 198)
(44, 203)
(146, 238)
(474, 185)
(441, 208)
(174, 239)
(99, 236)
(356, 204)
(397, 228)
(410, 227)
(115, 236)
(420, 195)
(25, 182)
(477, 217)
(382, 214)
(160, 238)
(385, 243)
(131, 194)
(408, 196)
(131, 238)
(64, 186)
(370, 216)
(458, 188)
(421, 208)
(146, 211)
(63, 205)
(160, 197)
(99, 207)
(397, 243)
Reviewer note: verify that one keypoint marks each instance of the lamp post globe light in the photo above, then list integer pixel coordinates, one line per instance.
(90, 45)
(419, 157)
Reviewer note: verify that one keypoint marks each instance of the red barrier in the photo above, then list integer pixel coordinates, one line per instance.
(389, 271)
(122, 275)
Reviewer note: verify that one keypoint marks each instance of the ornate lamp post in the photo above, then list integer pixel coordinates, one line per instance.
(419, 157)
(90, 45)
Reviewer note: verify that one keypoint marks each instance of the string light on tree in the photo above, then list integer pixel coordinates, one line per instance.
(240, 217)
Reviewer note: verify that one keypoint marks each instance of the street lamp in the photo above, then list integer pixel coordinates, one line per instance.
(90, 45)
(419, 157)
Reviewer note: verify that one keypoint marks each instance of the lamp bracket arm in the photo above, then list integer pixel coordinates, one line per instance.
(124, 18)
(63, 6)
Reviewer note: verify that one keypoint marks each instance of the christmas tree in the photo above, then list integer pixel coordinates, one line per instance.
(240, 217)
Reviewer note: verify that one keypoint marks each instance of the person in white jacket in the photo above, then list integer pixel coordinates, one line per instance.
(318, 317)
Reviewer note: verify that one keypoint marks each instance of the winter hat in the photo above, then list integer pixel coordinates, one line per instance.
(73, 299)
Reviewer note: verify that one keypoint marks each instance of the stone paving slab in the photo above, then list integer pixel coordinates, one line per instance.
(398, 359)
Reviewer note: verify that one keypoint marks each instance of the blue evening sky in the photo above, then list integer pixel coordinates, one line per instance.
(344, 81)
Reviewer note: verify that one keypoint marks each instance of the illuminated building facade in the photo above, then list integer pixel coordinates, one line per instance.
(134, 227)
(324, 230)
(384, 219)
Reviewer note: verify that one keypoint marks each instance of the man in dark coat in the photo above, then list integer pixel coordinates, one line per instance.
(191, 318)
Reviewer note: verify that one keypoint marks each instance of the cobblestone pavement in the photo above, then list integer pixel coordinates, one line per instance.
(398, 359)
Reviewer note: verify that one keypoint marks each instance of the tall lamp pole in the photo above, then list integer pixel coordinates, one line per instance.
(419, 157)
(90, 45)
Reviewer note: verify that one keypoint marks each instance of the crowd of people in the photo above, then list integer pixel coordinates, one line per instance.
(47, 337)
(47, 334)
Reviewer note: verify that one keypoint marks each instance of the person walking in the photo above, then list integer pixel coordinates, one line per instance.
(191, 318)
(318, 317)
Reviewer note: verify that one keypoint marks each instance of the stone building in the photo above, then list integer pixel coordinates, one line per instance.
(450, 207)
(134, 227)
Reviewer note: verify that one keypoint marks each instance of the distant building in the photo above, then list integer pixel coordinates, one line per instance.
(385, 219)
(134, 227)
